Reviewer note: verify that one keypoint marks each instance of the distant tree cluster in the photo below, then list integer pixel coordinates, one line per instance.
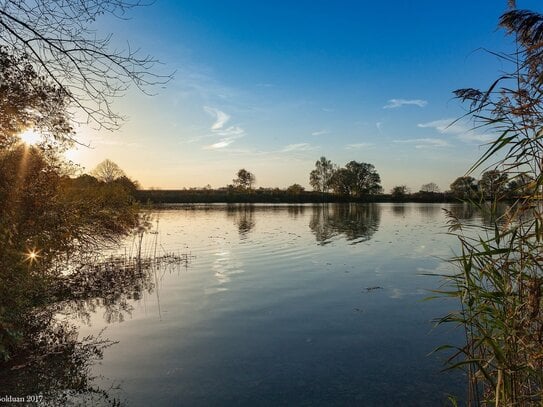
(354, 180)
(295, 189)
(494, 184)
(399, 192)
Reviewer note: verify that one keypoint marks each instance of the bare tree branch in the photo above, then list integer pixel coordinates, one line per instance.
(57, 37)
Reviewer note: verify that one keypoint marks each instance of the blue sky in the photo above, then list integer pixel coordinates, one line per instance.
(273, 85)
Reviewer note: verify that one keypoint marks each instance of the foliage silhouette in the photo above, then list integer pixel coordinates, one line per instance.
(356, 180)
(244, 180)
(321, 177)
(57, 38)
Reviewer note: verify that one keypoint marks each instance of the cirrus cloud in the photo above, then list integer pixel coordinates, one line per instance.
(356, 146)
(395, 103)
(221, 118)
(458, 129)
(422, 143)
(320, 132)
(227, 134)
(298, 147)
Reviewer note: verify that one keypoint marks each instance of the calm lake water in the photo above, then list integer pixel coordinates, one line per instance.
(286, 305)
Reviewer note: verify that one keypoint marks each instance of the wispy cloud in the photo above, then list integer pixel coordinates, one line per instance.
(221, 144)
(458, 129)
(228, 134)
(471, 136)
(357, 146)
(320, 132)
(442, 125)
(425, 142)
(298, 147)
(395, 103)
(232, 131)
(327, 109)
(221, 118)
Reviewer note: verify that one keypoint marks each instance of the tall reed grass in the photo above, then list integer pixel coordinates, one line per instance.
(499, 277)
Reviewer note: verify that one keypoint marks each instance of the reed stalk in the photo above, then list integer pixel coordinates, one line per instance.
(499, 277)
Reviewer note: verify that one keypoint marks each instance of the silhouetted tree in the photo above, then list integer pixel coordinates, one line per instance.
(366, 179)
(342, 182)
(399, 192)
(244, 180)
(464, 187)
(356, 179)
(493, 184)
(295, 189)
(320, 178)
(108, 171)
(430, 187)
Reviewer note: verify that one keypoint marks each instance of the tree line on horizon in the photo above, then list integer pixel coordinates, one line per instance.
(361, 181)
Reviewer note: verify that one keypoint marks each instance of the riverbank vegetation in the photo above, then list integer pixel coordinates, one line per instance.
(499, 279)
(53, 70)
(48, 219)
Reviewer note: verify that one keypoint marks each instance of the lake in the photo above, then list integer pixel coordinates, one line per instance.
(302, 305)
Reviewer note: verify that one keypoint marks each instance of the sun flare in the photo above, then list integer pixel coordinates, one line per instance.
(32, 256)
(30, 137)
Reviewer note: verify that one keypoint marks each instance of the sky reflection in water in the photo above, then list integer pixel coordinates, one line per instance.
(288, 305)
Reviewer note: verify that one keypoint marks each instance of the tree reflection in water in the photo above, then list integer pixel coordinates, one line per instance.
(400, 209)
(480, 212)
(243, 216)
(357, 222)
(296, 210)
(430, 212)
(52, 361)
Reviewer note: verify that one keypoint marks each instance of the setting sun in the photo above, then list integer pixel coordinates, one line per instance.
(30, 137)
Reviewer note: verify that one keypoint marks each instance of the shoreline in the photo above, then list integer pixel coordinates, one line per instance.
(279, 197)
